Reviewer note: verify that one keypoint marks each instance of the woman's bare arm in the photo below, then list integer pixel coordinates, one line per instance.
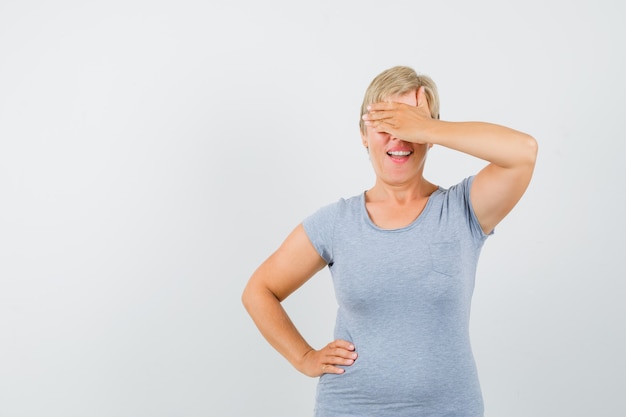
(281, 274)
(511, 154)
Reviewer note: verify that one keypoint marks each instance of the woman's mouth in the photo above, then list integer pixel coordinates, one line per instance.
(399, 154)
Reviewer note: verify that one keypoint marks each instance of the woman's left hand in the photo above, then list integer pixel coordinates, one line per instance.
(403, 121)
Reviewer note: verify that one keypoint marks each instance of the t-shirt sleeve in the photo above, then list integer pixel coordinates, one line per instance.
(460, 194)
(320, 227)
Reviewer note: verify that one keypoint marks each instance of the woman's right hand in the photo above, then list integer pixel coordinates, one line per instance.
(327, 360)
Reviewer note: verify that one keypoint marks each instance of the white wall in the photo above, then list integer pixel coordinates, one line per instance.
(152, 154)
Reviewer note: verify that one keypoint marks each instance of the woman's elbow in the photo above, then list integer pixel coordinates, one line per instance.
(247, 296)
(255, 294)
(530, 150)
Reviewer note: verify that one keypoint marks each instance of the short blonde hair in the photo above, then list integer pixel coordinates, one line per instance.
(399, 80)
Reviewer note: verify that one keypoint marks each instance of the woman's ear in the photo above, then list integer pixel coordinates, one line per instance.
(365, 141)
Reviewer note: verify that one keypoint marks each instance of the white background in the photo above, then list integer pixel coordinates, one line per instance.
(154, 153)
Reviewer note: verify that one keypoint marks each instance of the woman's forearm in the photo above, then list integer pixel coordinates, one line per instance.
(275, 325)
(497, 144)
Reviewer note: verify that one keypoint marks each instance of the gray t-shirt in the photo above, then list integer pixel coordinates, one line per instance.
(404, 299)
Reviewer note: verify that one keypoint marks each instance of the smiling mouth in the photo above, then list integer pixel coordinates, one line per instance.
(399, 154)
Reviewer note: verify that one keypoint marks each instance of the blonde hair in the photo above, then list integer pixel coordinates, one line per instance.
(399, 80)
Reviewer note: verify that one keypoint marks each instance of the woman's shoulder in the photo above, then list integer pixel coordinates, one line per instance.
(461, 186)
(454, 194)
(339, 208)
(344, 203)
(456, 203)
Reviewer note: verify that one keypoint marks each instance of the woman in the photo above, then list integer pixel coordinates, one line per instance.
(403, 258)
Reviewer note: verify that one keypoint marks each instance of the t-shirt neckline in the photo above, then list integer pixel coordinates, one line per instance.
(368, 220)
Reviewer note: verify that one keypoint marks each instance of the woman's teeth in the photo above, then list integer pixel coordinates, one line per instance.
(399, 153)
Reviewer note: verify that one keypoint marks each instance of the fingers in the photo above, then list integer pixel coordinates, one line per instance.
(340, 352)
(422, 100)
(386, 117)
(335, 354)
(385, 109)
(343, 344)
(421, 95)
(382, 106)
(380, 126)
(330, 369)
(379, 111)
(380, 120)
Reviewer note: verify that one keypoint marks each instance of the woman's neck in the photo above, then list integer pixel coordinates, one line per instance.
(399, 194)
(392, 206)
